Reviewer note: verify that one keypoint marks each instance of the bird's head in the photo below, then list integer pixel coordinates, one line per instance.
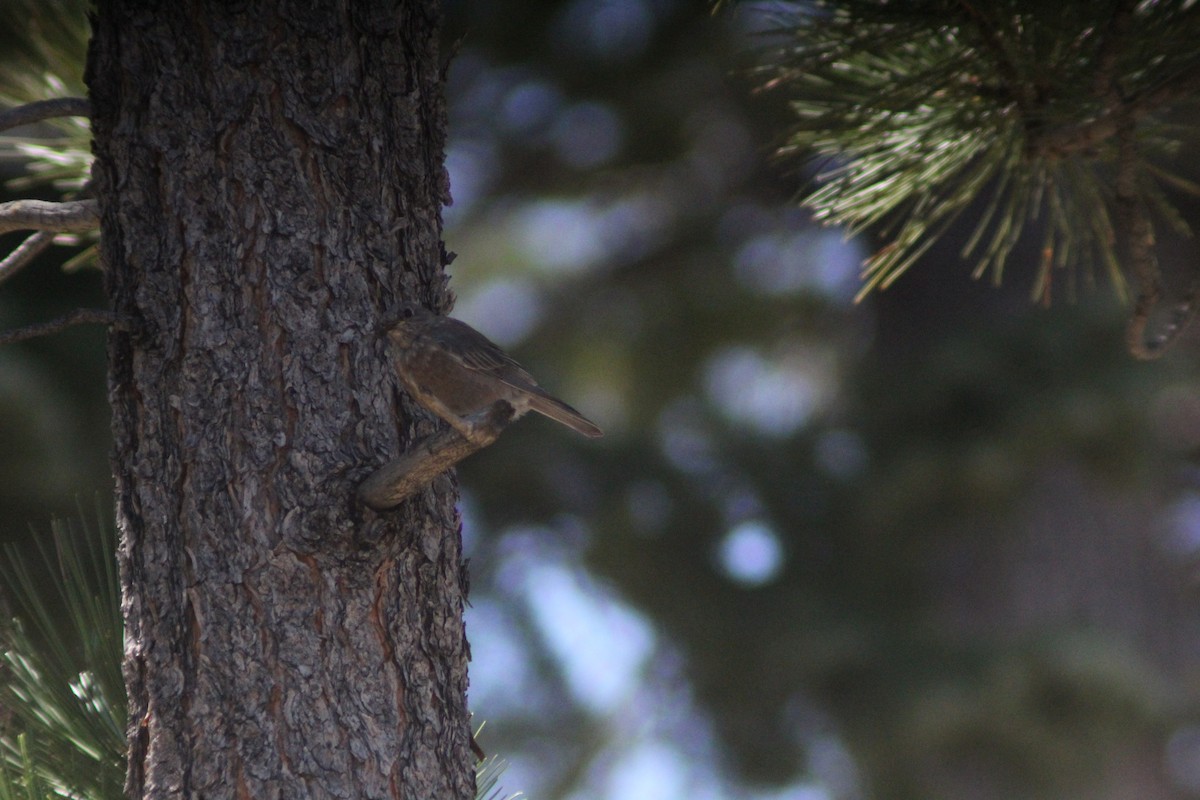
(404, 322)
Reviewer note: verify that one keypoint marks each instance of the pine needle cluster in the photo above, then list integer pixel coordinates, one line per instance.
(44, 43)
(63, 713)
(1022, 119)
(60, 669)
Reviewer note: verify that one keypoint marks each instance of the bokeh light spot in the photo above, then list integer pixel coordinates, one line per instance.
(600, 643)
(683, 440)
(1183, 527)
(751, 553)
(504, 686)
(472, 168)
(775, 397)
(587, 135)
(530, 107)
(651, 770)
(841, 454)
(610, 29)
(560, 235)
(785, 262)
(507, 310)
(1182, 758)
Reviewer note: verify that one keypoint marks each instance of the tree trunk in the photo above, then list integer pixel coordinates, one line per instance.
(270, 179)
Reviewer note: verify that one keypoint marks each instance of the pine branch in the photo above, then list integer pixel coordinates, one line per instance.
(427, 458)
(45, 109)
(929, 107)
(61, 665)
(1087, 136)
(81, 316)
(41, 215)
(25, 253)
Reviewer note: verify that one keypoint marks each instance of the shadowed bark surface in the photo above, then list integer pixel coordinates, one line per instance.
(270, 180)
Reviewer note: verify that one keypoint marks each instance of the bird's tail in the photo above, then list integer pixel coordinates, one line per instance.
(559, 411)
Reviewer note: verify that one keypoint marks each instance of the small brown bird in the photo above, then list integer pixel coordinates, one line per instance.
(455, 371)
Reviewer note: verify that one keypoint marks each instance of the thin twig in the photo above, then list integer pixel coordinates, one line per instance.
(1112, 44)
(81, 316)
(1134, 229)
(1119, 106)
(1149, 348)
(72, 216)
(43, 110)
(1078, 138)
(26, 252)
(1014, 84)
(427, 458)
(1135, 233)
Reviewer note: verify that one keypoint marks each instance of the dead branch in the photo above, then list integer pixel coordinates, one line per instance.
(72, 216)
(1060, 142)
(26, 252)
(427, 458)
(81, 316)
(43, 110)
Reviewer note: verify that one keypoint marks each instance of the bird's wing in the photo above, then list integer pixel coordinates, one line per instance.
(479, 353)
(476, 352)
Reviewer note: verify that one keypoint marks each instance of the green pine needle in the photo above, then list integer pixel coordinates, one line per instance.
(998, 114)
(60, 666)
(43, 46)
(487, 776)
(62, 696)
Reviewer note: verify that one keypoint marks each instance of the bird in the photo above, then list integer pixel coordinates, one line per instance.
(457, 372)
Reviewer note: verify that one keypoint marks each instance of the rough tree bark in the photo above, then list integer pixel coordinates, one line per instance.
(270, 179)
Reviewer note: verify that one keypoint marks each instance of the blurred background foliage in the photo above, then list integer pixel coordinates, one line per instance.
(937, 544)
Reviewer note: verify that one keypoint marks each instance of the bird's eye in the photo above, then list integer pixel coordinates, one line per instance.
(407, 312)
